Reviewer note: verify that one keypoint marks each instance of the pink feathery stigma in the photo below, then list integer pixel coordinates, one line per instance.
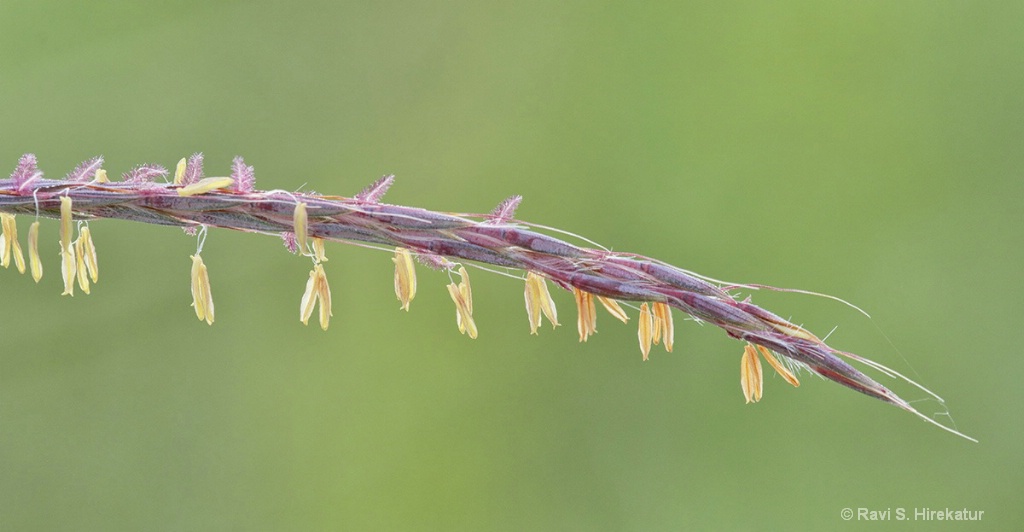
(376, 191)
(144, 173)
(85, 171)
(193, 170)
(506, 210)
(25, 173)
(289, 241)
(244, 176)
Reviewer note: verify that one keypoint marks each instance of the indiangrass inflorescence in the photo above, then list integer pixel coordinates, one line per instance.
(436, 239)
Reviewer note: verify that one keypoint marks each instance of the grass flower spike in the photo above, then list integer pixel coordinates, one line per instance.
(496, 241)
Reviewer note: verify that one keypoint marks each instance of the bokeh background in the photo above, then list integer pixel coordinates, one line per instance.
(871, 150)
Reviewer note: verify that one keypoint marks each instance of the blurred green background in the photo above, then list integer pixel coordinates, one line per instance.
(871, 150)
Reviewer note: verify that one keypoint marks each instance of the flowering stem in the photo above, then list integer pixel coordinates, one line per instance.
(435, 237)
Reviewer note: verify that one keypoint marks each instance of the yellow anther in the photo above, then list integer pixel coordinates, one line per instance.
(66, 224)
(202, 297)
(319, 251)
(750, 374)
(663, 324)
(5, 241)
(405, 277)
(300, 222)
(33, 252)
(466, 289)
(317, 289)
(463, 308)
(538, 301)
(205, 185)
(795, 331)
(614, 309)
(88, 252)
(586, 323)
(179, 171)
(774, 363)
(68, 269)
(10, 244)
(80, 270)
(462, 295)
(645, 330)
